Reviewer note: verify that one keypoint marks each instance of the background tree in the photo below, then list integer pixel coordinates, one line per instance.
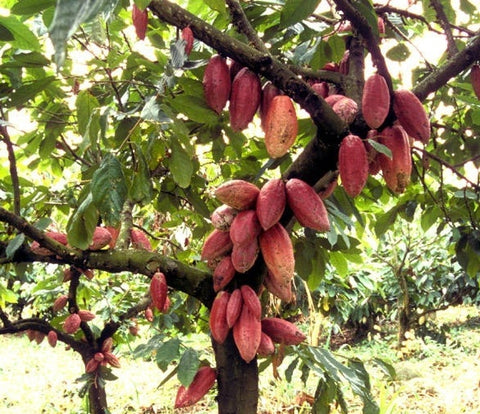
(121, 134)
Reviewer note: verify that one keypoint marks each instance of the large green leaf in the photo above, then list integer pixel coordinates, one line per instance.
(29, 7)
(23, 37)
(295, 11)
(82, 223)
(29, 90)
(180, 164)
(86, 104)
(188, 366)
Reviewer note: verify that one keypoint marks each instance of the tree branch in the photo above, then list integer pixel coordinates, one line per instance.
(443, 21)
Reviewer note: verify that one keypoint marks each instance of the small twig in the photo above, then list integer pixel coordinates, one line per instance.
(443, 21)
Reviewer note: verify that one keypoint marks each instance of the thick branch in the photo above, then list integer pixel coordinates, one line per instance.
(443, 21)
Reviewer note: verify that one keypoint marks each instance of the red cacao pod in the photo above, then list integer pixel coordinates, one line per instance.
(223, 274)
(245, 227)
(396, 170)
(222, 217)
(187, 35)
(247, 333)
(107, 344)
(39, 337)
(55, 235)
(216, 83)
(149, 314)
(166, 305)
(91, 365)
(140, 240)
(217, 244)
(321, 89)
(375, 100)
(306, 204)
(71, 323)
(353, 165)
(99, 356)
(111, 359)
(329, 189)
(86, 315)
(266, 346)
(277, 252)
(381, 27)
(346, 108)
(140, 21)
(60, 303)
(333, 99)
(250, 299)
(244, 255)
(281, 126)
(52, 338)
(234, 67)
(239, 194)
(411, 115)
(475, 79)
(203, 380)
(244, 99)
(269, 91)
(234, 307)
(114, 231)
(158, 290)
(218, 317)
(271, 202)
(282, 331)
(100, 239)
(279, 287)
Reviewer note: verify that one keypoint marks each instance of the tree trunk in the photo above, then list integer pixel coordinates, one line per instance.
(403, 310)
(237, 381)
(97, 399)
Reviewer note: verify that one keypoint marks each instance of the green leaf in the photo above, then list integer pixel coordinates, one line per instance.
(296, 10)
(86, 104)
(380, 148)
(338, 261)
(82, 223)
(141, 189)
(142, 4)
(7, 296)
(366, 9)
(28, 91)
(23, 37)
(194, 108)
(14, 245)
(180, 164)
(217, 5)
(398, 53)
(167, 352)
(109, 189)
(30, 7)
(188, 367)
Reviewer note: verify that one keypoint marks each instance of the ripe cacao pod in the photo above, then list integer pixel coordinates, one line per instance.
(329, 189)
(149, 314)
(222, 217)
(140, 240)
(375, 100)
(239, 194)
(203, 380)
(245, 227)
(217, 244)
(247, 333)
(71, 323)
(223, 274)
(158, 290)
(266, 346)
(111, 359)
(271, 202)
(55, 235)
(234, 67)
(244, 99)
(281, 126)
(278, 287)
(234, 307)
(140, 21)
(353, 165)
(306, 204)
(86, 315)
(107, 344)
(218, 317)
(52, 338)
(244, 255)
(475, 79)
(39, 337)
(216, 83)
(269, 91)
(277, 252)
(321, 89)
(101, 238)
(333, 99)
(91, 365)
(250, 299)
(412, 115)
(346, 108)
(187, 35)
(396, 170)
(99, 356)
(60, 303)
(282, 331)
(114, 231)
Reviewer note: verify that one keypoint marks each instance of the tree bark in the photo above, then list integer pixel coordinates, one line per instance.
(97, 399)
(237, 381)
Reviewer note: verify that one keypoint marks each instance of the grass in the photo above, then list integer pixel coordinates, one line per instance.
(432, 378)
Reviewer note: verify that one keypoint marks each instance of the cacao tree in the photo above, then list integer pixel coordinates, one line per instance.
(125, 125)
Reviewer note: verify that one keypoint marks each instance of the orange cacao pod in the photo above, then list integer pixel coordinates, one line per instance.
(86, 315)
(101, 238)
(222, 217)
(140, 21)
(218, 317)
(412, 115)
(353, 165)
(281, 126)
(475, 79)
(223, 274)
(158, 290)
(244, 98)
(250, 299)
(346, 108)
(282, 331)
(203, 380)
(244, 255)
(187, 35)
(396, 170)
(234, 307)
(375, 100)
(239, 194)
(217, 244)
(52, 338)
(266, 346)
(247, 333)
(245, 227)
(216, 83)
(271, 202)
(140, 240)
(277, 252)
(278, 287)
(269, 91)
(72, 323)
(60, 303)
(306, 204)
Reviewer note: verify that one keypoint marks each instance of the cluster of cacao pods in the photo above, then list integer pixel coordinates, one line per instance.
(72, 322)
(103, 357)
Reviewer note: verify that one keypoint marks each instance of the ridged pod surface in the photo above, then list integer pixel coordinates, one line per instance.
(333, 99)
(234, 307)
(52, 338)
(375, 100)
(397, 170)
(247, 333)
(411, 115)
(158, 290)
(475, 79)
(244, 99)
(251, 300)
(140, 21)
(346, 108)
(266, 347)
(100, 239)
(71, 323)
(223, 274)
(218, 317)
(245, 227)
(282, 331)
(140, 240)
(281, 126)
(222, 217)
(239, 194)
(278, 287)
(60, 303)
(271, 202)
(244, 255)
(277, 251)
(187, 35)
(217, 244)
(216, 83)
(203, 380)
(353, 164)
(269, 91)
(306, 204)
